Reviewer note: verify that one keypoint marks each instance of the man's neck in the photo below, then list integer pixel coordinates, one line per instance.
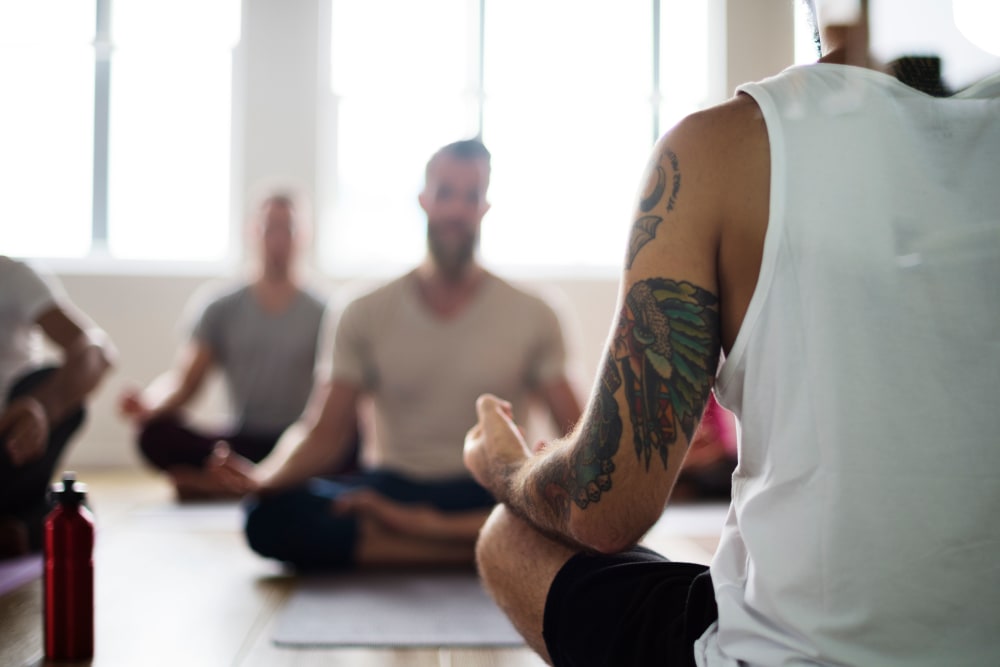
(447, 293)
(274, 290)
(848, 45)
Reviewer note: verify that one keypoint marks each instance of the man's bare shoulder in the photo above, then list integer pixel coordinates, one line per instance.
(718, 156)
(727, 153)
(718, 132)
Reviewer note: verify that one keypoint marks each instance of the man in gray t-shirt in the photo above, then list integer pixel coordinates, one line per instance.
(263, 337)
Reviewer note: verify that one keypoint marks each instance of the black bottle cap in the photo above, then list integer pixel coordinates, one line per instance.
(69, 491)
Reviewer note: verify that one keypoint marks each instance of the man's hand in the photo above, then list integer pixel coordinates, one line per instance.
(233, 472)
(494, 447)
(132, 406)
(24, 428)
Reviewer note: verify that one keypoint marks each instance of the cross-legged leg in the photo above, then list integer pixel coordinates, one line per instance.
(302, 527)
(378, 547)
(518, 565)
(584, 608)
(23, 503)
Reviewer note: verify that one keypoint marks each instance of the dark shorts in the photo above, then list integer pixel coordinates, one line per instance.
(632, 608)
(167, 442)
(23, 487)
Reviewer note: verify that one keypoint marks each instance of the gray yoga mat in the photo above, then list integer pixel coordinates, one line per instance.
(425, 609)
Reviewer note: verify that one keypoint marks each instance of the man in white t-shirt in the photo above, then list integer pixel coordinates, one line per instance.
(40, 407)
(836, 233)
(422, 348)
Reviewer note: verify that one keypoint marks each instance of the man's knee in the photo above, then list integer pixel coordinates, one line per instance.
(490, 552)
(274, 525)
(155, 438)
(262, 529)
(295, 529)
(509, 549)
(517, 565)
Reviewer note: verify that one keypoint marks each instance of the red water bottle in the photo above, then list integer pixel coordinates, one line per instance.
(69, 574)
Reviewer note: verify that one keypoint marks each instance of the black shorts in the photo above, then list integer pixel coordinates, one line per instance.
(632, 608)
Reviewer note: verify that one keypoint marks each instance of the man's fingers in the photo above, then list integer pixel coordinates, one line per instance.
(474, 433)
(494, 412)
(489, 405)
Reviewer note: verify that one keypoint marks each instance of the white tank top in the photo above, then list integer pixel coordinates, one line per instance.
(865, 522)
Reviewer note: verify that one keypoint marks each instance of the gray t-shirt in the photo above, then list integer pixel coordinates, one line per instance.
(425, 372)
(267, 359)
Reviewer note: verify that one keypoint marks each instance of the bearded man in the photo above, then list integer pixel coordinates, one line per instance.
(422, 347)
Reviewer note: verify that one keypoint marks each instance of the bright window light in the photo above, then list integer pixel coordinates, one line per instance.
(565, 103)
(170, 129)
(46, 127)
(979, 21)
(396, 106)
(569, 120)
(684, 70)
(805, 36)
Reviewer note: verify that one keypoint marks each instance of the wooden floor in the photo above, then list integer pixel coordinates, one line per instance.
(172, 593)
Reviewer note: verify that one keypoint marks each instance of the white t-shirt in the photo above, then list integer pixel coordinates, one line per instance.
(24, 295)
(425, 372)
(865, 522)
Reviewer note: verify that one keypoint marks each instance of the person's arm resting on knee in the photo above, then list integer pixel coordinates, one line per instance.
(87, 356)
(604, 485)
(297, 458)
(174, 390)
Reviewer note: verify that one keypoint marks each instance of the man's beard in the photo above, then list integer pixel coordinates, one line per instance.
(452, 258)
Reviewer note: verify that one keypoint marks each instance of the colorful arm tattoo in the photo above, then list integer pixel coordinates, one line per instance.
(663, 356)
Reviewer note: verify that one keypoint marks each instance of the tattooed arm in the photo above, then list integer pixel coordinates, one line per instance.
(606, 483)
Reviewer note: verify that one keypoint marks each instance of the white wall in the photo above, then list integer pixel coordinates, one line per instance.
(142, 314)
(279, 122)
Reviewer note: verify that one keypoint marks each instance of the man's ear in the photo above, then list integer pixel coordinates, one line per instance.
(486, 207)
(424, 199)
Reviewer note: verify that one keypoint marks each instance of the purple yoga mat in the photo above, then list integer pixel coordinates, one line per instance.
(15, 572)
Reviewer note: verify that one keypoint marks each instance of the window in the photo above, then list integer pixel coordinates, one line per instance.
(46, 127)
(169, 154)
(121, 140)
(406, 82)
(569, 96)
(806, 49)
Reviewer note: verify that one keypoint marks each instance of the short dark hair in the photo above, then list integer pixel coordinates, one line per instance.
(283, 198)
(466, 149)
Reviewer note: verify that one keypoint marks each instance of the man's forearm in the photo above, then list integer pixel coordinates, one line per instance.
(171, 402)
(535, 491)
(83, 368)
(297, 459)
